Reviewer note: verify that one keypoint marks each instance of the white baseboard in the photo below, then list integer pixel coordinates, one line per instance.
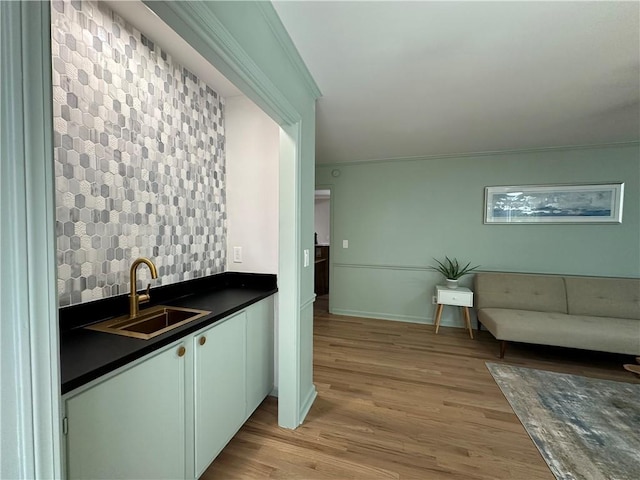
(382, 316)
(306, 406)
(445, 322)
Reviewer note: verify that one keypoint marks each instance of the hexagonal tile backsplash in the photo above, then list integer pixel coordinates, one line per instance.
(139, 158)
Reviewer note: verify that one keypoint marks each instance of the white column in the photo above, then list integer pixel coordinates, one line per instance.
(30, 389)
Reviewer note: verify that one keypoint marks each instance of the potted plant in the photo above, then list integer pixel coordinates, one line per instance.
(452, 270)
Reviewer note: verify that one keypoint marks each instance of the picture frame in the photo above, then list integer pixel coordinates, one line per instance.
(545, 204)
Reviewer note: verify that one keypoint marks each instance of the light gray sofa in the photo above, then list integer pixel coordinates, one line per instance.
(591, 313)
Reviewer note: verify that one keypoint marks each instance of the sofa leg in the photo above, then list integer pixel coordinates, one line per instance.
(503, 348)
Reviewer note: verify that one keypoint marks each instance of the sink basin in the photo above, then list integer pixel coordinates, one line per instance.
(150, 323)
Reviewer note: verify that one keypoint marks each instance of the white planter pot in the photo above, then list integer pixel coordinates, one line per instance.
(452, 284)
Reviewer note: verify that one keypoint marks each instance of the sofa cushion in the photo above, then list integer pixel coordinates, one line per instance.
(543, 293)
(617, 335)
(603, 297)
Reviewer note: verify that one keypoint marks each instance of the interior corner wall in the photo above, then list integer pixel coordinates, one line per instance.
(253, 149)
(400, 215)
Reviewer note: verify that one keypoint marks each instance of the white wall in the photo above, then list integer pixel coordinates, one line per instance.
(322, 220)
(253, 152)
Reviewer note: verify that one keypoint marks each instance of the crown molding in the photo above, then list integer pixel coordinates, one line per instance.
(281, 34)
(209, 31)
(478, 154)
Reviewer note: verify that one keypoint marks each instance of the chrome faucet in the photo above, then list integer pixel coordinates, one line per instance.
(134, 298)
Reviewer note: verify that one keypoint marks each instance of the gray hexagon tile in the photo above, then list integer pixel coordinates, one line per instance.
(139, 158)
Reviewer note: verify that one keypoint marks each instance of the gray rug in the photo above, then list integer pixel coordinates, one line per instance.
(585, 428)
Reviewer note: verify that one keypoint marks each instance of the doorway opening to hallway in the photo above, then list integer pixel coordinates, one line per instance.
(322, 248)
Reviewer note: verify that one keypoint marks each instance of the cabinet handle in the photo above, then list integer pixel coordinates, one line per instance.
(181, 351)
(203, 340)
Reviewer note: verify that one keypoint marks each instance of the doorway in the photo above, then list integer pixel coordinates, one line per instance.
(322, 257)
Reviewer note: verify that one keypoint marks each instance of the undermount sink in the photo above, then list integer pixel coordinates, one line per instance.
(150, 323)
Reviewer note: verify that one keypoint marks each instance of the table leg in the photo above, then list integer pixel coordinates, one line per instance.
(438, 315)
(467, 320)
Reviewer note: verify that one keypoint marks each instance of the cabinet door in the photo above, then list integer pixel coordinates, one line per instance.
(131, 425)
(260, 359)
(220, 387)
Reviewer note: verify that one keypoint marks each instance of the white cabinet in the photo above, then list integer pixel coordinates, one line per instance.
(260, 357)
(131, 425)
(170, 414)
(219, 386)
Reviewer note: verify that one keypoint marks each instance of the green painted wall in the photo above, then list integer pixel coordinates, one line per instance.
(399, 215)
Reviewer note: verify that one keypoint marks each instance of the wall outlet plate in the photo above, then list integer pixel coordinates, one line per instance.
(306, 257)
(434, 300)
(237, 254)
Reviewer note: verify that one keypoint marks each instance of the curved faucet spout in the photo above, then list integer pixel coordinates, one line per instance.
(134, 298)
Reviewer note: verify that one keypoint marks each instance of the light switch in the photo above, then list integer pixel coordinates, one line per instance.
(345, 243)
(306, 257)
(237, 254)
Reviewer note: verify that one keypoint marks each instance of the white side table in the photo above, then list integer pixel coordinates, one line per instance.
(459, 297)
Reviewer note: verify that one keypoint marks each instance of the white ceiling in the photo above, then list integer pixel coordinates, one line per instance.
(402, 79)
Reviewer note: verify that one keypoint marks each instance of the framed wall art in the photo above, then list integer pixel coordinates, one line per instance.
(592, 203)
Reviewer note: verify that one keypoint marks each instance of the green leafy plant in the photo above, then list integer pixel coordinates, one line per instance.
(451, 269)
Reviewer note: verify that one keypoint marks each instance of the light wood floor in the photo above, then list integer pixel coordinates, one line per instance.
(397, 401)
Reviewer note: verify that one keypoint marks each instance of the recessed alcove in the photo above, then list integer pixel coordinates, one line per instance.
(157, 155)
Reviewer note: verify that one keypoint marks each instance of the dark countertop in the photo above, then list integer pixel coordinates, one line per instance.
(86, 355)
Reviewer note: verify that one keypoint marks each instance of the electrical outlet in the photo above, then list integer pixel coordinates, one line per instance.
(306, 257)
(237, 254)
(345, 243)
(434, 300)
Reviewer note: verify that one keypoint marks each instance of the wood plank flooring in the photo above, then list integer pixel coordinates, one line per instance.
(397, 401)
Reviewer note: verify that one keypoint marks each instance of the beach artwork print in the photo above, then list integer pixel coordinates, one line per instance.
(598, 203)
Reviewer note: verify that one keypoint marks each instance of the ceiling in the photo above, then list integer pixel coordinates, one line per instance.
(404, 79)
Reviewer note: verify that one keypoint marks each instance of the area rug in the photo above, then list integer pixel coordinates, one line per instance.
(585, 428)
